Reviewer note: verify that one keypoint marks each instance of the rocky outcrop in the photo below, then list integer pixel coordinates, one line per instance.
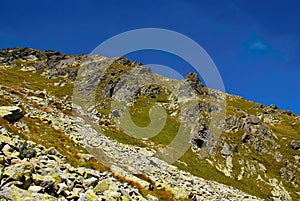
(195, 83)
(255, 132)
(11, 113)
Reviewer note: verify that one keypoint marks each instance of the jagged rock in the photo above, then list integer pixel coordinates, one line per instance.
(253, 125)
(203, 137)
(88, 195)
(86, 157)
(233, 123)
(252, 120)
(77, 191)
(274, 107)
(61, 188)
(11, 113)
(90, 181)
(131, 84)
(195, 83)
(295, 144)
(258, 144)
(151, 91)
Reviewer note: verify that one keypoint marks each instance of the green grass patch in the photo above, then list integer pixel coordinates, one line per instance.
(12, 77)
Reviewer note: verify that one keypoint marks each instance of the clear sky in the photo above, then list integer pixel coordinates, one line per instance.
(255, 44)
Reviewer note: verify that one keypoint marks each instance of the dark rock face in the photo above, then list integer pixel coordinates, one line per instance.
(131, 83)
(195, 83)
(126, 62)
(151, 91)
(295, 144)
(256, 132)
(233, 123)
(11, 113)
(59, 64)
(245, 138)
(204, 136)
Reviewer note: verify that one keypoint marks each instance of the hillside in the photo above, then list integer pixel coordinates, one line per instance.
(77, 127)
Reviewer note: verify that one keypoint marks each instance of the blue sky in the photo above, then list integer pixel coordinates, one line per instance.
(255, 44)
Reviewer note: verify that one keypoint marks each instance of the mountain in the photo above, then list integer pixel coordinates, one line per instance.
(88, 127)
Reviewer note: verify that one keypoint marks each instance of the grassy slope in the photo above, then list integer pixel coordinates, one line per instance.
(44, 134)
(13, 78)
(201, 168)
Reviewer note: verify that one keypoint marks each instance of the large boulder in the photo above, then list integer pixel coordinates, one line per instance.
(11, 113)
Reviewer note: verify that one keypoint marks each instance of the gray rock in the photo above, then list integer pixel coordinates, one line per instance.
(203, 137)
(252, 119)
(295, 144)
(15, 193)
(195, 83)
(225, 150)
(287, 173)
(17, 171)
(44, 181)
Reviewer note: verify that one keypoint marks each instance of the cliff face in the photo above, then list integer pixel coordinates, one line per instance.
(64, 135)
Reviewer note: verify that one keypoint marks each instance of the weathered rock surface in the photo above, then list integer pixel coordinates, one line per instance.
(194, 81)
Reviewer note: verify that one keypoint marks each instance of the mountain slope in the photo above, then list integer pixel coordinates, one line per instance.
(257, 150)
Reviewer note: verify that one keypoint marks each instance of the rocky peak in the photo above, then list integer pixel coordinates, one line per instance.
(195, 83)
